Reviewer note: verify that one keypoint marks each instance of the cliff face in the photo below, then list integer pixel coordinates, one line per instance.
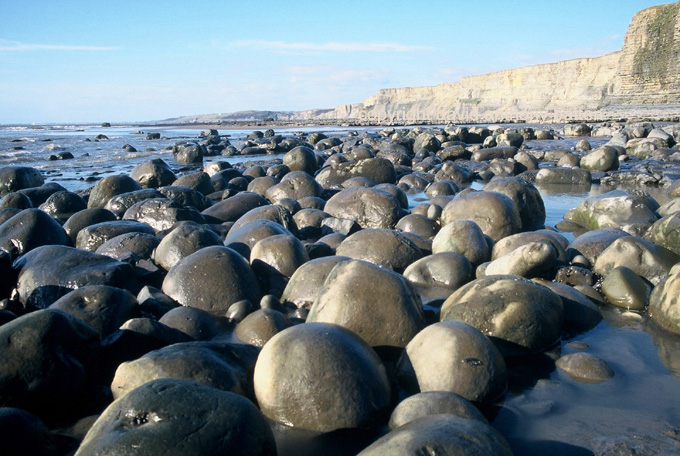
(646, 72)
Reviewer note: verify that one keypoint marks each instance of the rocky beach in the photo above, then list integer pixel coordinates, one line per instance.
(487, 289)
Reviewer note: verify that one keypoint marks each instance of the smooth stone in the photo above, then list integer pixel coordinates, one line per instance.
(294, 185)
(141, 244)
(518, 315)
(335, 381)
(225, 366)
(531, 260)
(433, 403)
(62, 205)
(419, 225)
(604, 158)
(260, 326)
(211, 279)
(510, 243)
(48, 364)
(664, 303)
(109, 187)
(13, 178)
(29, 229)
(306, 283)
(103, 307)
(153, 173)
(495, 213)
(39, 195)
(23, 433)
(624, 288)
(365, 299)
(643, 257)
(301, 158)
(187, 154)
(161, 213)
(666, 232)
(615, 209)
(441, 434)
(232, 208)
(244, 238)
(585, 367)
(277, 256)
(386, 248)
(563, 176)
(526, 197)
(16, 200)
(368, 207)
(309, 222)
(186, 197)
(379, 170)
(170, 416)
(273, 212)
(182, 242)
(464, 237)
(580, 313)
(193, 322)
(444, 271)
(85, 218)
(47, 273)
(454, 357)
(121, 203)
(92, 237)
(592, 243)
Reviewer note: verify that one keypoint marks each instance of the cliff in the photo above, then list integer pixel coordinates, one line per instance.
(644, 75)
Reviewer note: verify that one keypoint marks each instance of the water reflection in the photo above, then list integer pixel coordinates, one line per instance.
(668, 345)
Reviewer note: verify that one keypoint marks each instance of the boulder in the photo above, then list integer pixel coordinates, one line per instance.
(85, 218)
(230, 209)
(260, 326)
(121, 203)
(301, 158)
(109, 187)
(29, 229)
(454, 357)
(182, 242)
(188, 153)
(294, 185)
(62, 205)
(563, 176)
(464, 237)
(624, 288)
(604, 158)
(140, 244)
(244, 238)
(518, 315)
(379, 170)
(592, 243)
(335, 381)
(369, 207)
(450, 435)
(23, 433)
(366, 299)
(195, 323)
(615, 209)
(666, 232)
(170, 416)
(225, 366)
(433, 403)
(153, 173)
(534, 259)
(526, 197)
(47, 273)
(664, 306)
(580, 313)
(13, 178)
(495, 213)
(585, 367)
(386, 248)
(93, 236)
(212, 279)
(306, 283)
(161, 213)
(441, 273)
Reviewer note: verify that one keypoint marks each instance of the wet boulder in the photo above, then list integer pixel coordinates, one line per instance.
(273, 212)
(666, 232)
(386, 248)
(161, 214)
(335, 381)
(624, 288)
(230, 209)
(369, 207)
(433, 403)
(580, 313)
(641, 256)
(182, 242)
(186, 196)
(195, 323)
(604, 158)
(153, 173)
(62, 205)
(592, 243)
(366, 299)
(244, 238)
(379, 170)
(518, 315)
(39, 195)
(47, 273)
(16, 200)
(454, 357)
(29, 229)
(495, 213)
(109, 187)
(170, 416)
(47, 361)
(563, 176)
(552, 238)
(450, 435)
(93, 236)
(85, 218)
(585, 367)
(664, 304)
(306, 283)
(140, 244)
(202, 183)
(526, 197)
(23, 433)
(441, 273)
(103, 307)
(260, 326)
(212, 279)
(421, 226)
(534, 259)
(188, 153)
(276, 258)
(225, 366)
(464, 237)
(294, 185)
(13, 178)
(615, 209)
(121, 203)
(301, 158)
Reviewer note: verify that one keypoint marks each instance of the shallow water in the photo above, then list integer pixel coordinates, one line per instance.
(544, 412)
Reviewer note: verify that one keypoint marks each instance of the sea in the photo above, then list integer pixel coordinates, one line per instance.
(544, 411)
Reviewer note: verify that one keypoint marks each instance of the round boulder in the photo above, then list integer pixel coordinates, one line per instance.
(664, 303)
(161, 213)
(464, 237)
(441, 273)
(29, 229)
(109, 187)
(366, 299)
(305, 284)
(23, 433)
(212, 279)
(193, 322)
(433, 403)
(369, 207)
(182, 242)
(455, 357)
(526, 197)
(334, 381)
(294, 185)
(301, 158)
(13, 178)
(666, 232)
(585, 367)
(386, 248)
(153, 173)
(141, 244)
(62, 205)
(260, 326)
(518, 315)
(170, 416)
(495, 213)
(604, 158)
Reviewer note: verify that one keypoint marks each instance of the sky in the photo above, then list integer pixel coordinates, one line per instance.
(72, 61)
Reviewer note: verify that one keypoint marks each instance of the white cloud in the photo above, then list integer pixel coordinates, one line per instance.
(18, 46)
(330, 46)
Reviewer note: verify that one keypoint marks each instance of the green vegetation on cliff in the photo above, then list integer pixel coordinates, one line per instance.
(652, 62)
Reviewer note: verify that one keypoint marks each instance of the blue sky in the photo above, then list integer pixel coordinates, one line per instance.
(124, 61)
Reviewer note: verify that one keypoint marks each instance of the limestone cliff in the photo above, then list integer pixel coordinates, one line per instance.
(645, 73)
